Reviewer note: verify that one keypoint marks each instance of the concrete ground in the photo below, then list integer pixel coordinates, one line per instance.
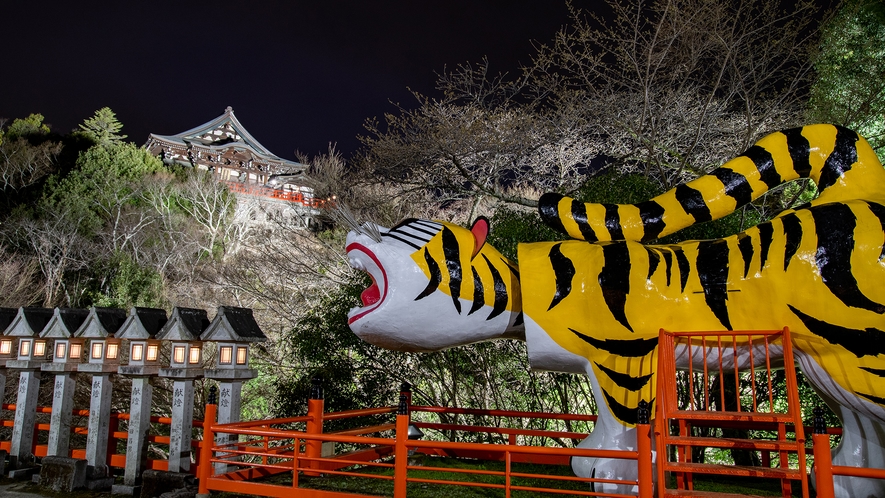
(10, 488)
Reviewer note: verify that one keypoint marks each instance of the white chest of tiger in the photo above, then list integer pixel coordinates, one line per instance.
(595, 305)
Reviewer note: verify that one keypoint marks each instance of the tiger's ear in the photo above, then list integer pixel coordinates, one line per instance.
(480, 230)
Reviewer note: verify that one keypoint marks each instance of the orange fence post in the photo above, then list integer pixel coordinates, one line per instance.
(312, 447)
(204, 468)
(643, 447)
(823, 459)
(401, 452)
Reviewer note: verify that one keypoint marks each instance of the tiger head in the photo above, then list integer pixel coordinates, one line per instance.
(435, 285)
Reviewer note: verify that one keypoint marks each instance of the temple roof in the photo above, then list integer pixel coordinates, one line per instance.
(221, 134)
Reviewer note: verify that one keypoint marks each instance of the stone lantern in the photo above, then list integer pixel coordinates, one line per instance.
(140, 329)
(103, 353)
(7, 344)
(66, 355)
(30, 355)
(7, 347)
(234, 329)
(183, 330)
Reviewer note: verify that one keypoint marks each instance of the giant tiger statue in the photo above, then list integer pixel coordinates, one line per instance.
(594, 305)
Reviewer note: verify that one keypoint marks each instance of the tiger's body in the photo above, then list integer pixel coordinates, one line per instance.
(595, 305)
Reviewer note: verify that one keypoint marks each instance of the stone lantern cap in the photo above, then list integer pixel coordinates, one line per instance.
(233, 325)
(185, 324)
(29, 322)
(101, 323)
(142, 324)
(64, 322)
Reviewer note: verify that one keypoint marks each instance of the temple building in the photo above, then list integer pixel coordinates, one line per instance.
(224, 147)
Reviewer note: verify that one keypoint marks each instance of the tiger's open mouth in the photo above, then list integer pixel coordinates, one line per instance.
(363, 259)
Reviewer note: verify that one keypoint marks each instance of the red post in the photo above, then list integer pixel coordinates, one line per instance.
(204, 468)
(823, 466)
(643, 448)
(113, 426)
(401, 451)
(312, 447)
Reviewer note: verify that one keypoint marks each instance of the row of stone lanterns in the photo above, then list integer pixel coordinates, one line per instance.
(99, 332)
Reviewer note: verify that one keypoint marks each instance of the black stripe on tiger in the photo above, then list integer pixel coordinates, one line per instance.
(628, 382)
(500, 287)
(766, 235)
(654, 259)
(800, 151)
(623, 413)
(875, 371)
(579, 214)
(834, 225)
(840, 160)
(693, 203)
(612, 222)
(860, 343)
(548, 208)
(736, 185)
(879, 211)
(435, 276)
(668, 260)
(564, 271)
(712, 265)
(745, 245)
(792, 235)
(652, 215)
(875, 399)
(764, 163)
(452, 253)
(614, 280)
(478, 293)
(684, 266)
(628, 348)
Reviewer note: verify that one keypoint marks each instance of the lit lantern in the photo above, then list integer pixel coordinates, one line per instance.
(7, 315)
(183, 330)
(67, 350)
(22, 343)
(140, 329)
(100, 328)
(234, 329)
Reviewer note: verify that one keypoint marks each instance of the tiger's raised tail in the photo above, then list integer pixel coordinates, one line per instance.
(841, 163)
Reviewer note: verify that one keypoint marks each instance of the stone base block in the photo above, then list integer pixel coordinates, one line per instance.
(22, 474)
(125, 489)
(99, 484)
(156, 482)
(62, 473)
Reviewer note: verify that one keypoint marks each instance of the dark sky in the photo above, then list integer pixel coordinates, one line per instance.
(299, 74)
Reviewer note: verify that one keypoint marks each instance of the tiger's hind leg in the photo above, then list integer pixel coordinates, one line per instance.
(863, 433)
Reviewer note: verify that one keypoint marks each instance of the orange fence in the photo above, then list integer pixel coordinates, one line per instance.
(279, 194)
(263, 448)
(115, 459)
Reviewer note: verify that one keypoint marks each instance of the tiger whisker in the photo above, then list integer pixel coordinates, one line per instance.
(343, 215)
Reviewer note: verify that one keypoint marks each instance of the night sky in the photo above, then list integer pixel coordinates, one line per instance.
(299, 74)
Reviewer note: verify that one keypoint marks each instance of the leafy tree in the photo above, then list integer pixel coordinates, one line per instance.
(102, 128)
(850, 86)
(103, 189)
(27, 154)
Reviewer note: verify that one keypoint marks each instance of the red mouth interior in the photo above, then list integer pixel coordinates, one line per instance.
(371, 295)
